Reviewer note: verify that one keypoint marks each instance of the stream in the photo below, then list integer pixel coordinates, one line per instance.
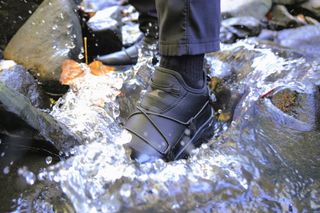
(263, 160)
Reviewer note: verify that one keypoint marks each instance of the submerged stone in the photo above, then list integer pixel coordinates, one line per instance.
(51, 35)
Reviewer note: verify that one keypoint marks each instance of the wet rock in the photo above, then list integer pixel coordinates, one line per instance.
(254, 8)
(1, 54)
(47, 127)
(226, 36)
(241, 27)
(281, 18)
(312, 6)
(106, 19)
(130, 29)
(103, 31)
(19, 79)
(305, 39)
(51, 35)
(289, 119)
(267, 35)
(300, 105)
(98, 5)
(311, 20)
(234, 66)
(12, 15)
(288, 2)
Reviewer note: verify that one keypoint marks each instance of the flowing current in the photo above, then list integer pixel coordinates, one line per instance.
(262, 161)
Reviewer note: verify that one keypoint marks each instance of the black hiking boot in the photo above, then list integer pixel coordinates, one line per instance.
(128, 56)
(171, 119)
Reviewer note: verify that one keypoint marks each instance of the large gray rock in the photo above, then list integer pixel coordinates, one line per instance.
(255, 8)
(19, 79)
(13, 15)
(305, 39)
(51, 35)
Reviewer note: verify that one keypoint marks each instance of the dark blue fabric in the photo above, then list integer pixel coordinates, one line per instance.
(186, 27)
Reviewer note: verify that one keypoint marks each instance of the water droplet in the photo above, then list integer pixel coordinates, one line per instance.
(125, 190)
(6, 170)
(28, 176)
(48, 160)
(187, 132)
(80, 56)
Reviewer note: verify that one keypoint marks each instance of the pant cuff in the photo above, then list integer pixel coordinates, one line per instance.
(189, 49)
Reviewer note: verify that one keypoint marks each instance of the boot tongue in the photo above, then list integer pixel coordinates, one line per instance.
(163, 92)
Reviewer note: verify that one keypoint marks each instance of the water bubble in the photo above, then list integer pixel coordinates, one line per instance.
(80, 56)
(30, 12)
(48, 160)
(0, 141)
(187, 132)
(28, 175)
(6, 170)
(125, 190)
(2, 154)
(70, 46)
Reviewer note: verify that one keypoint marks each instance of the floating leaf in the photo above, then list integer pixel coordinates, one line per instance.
(70, 71)
(98, 68)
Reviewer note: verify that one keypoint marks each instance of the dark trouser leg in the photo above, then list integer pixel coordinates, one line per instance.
(188, 27)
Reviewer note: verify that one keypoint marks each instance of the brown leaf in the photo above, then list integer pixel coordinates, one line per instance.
(70, 70)
(98, 68)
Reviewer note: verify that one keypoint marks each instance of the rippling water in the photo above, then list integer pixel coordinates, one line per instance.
(265, 161)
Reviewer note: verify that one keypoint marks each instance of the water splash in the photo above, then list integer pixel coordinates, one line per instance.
(250, 167)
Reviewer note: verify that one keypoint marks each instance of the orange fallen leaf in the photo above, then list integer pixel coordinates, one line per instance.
(70, 70)
(98, 68)
(301, 18)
